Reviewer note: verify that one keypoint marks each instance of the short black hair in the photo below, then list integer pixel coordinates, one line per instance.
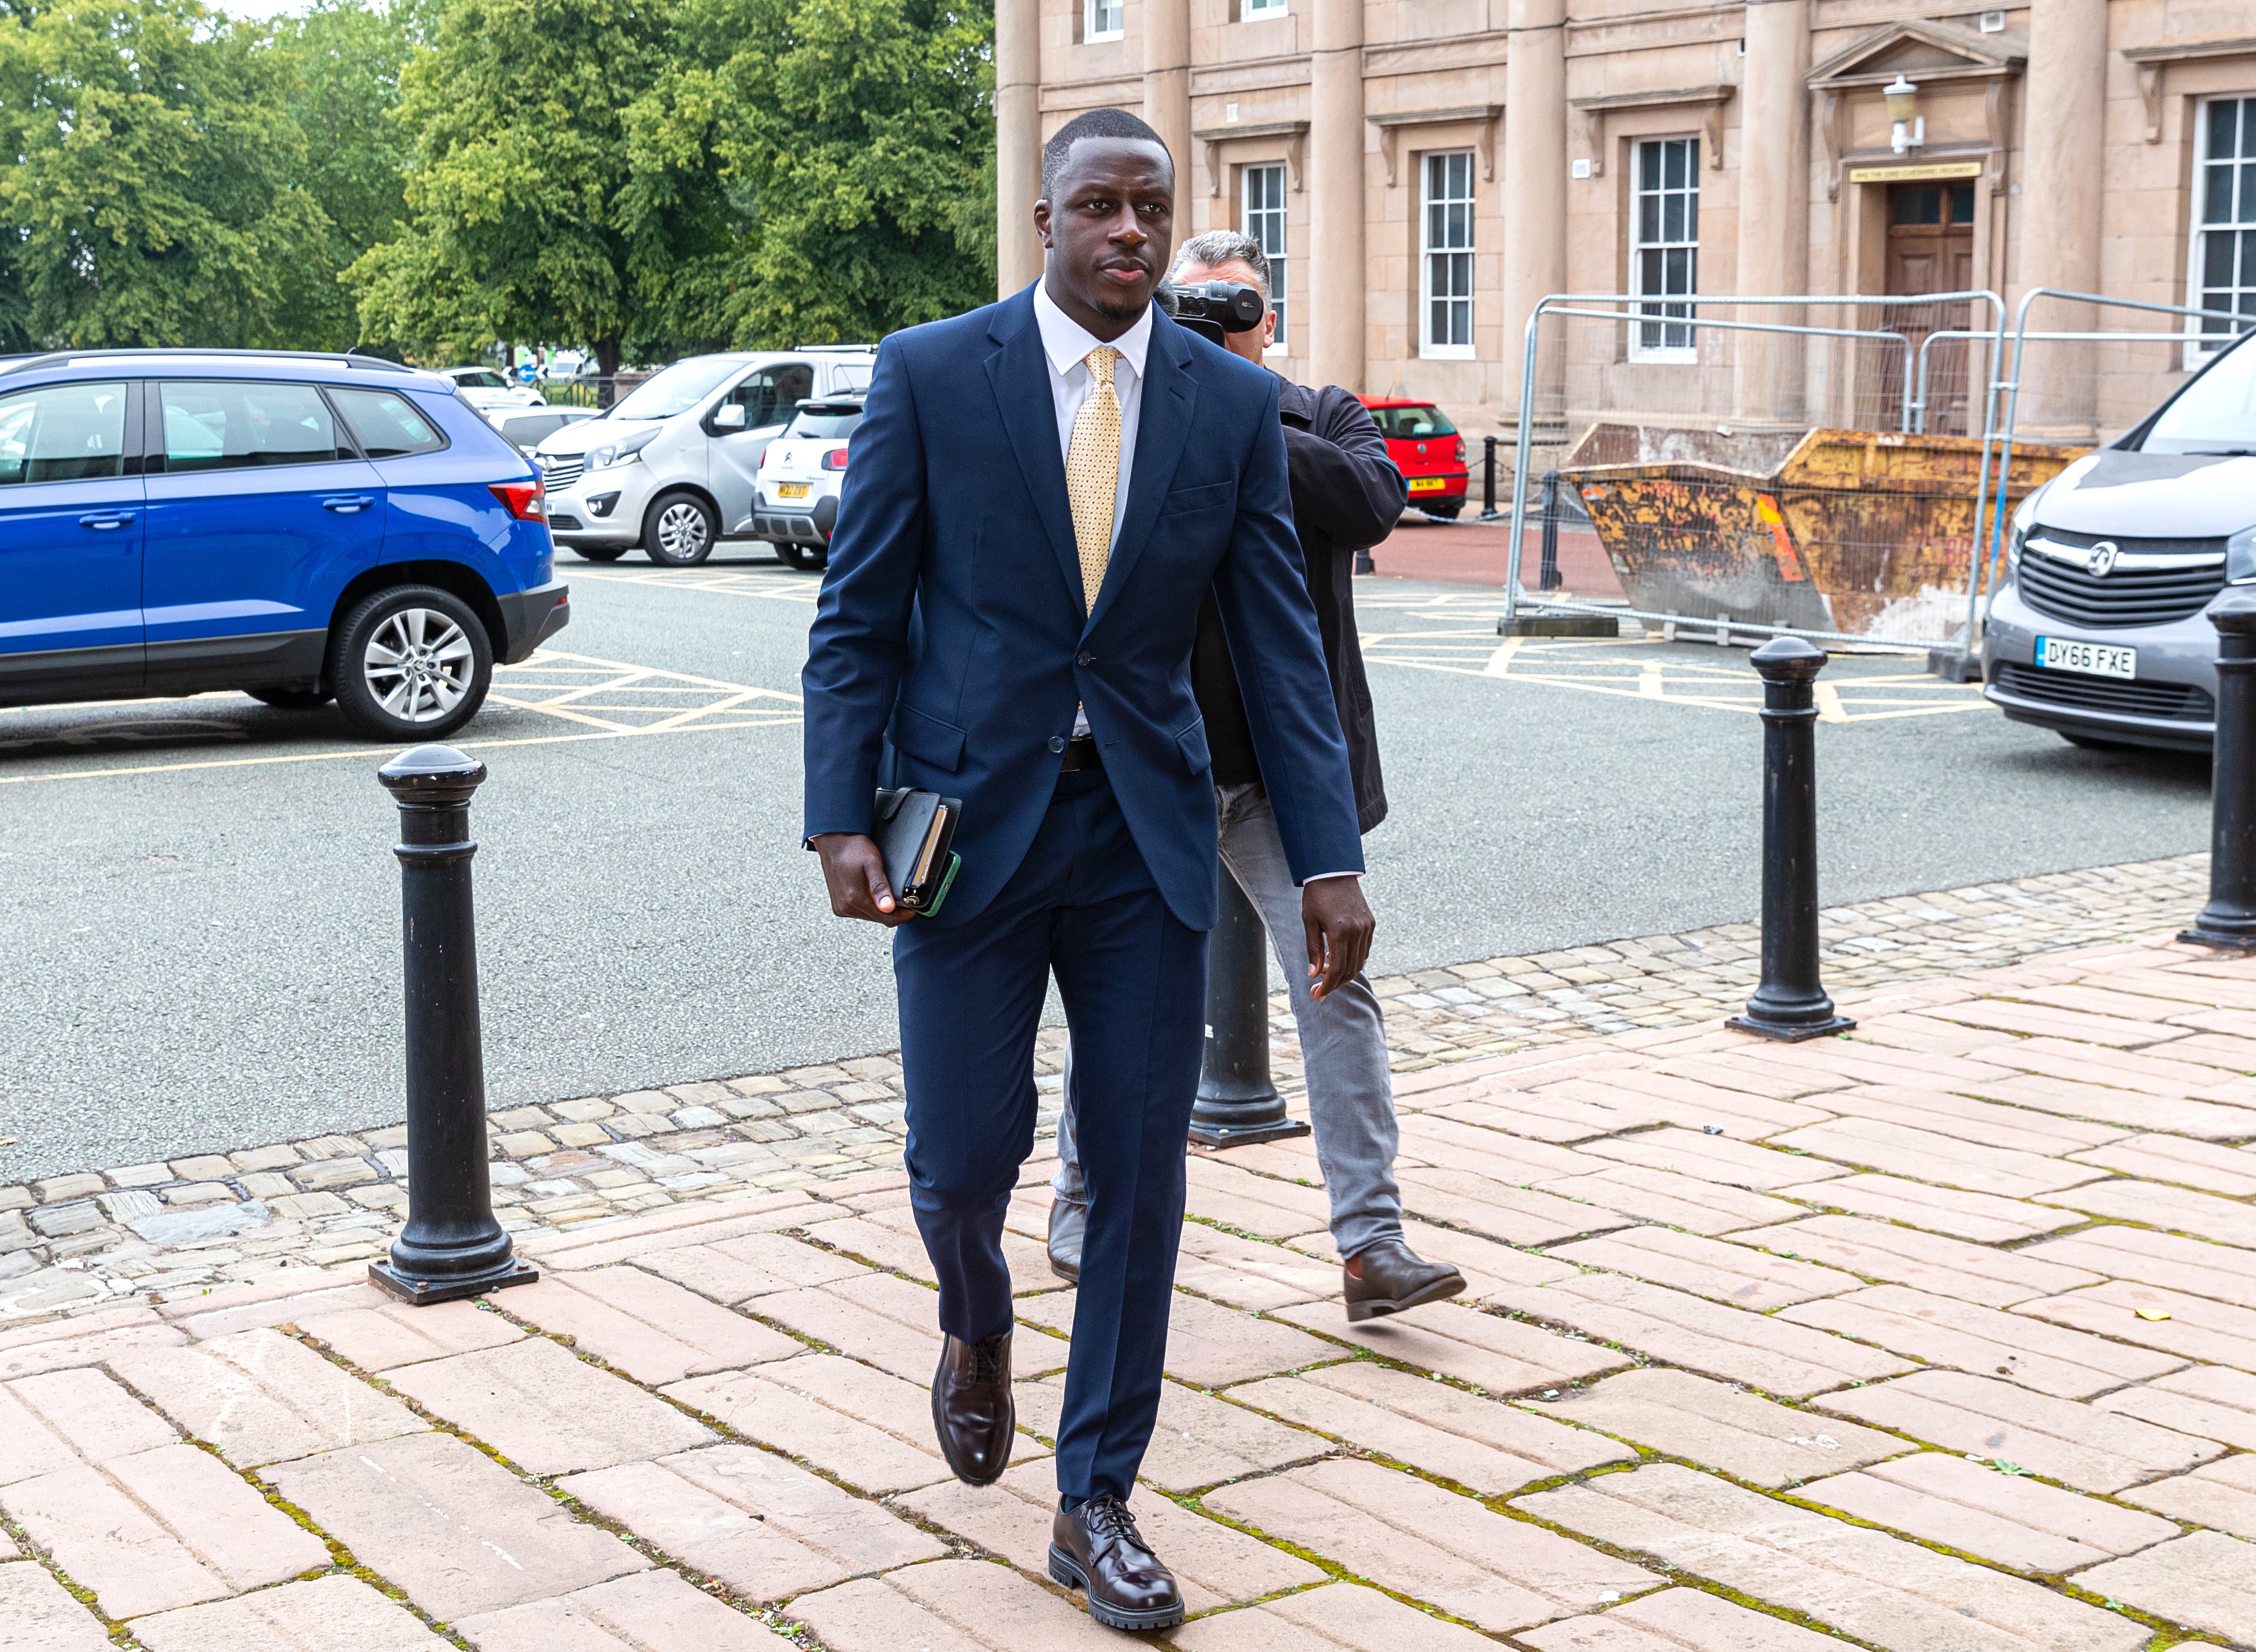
(1096, 123)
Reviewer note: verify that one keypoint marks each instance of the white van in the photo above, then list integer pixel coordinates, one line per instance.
(673, 465)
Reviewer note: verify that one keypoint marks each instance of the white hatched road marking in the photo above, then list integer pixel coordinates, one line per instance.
(778, 585)
(1871, 688)
(593, 698)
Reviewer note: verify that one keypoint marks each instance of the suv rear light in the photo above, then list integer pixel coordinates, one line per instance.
(835, 459)
(526, 500)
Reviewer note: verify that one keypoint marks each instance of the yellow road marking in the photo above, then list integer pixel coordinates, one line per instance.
(728, 706)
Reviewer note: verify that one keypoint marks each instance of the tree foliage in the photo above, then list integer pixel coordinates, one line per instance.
(428, 176)
(857, 136)
(533, 214)
(159, 191)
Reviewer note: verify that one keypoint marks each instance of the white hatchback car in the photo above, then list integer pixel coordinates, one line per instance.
(489, 392)
(673, 465)
(796, 502)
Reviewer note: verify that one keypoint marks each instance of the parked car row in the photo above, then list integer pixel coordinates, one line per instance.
(301, 527)
(675, 465)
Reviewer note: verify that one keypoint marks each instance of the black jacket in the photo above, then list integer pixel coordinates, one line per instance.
(1346, 495)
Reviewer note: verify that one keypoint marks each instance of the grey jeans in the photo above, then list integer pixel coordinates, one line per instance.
(1342, 1045)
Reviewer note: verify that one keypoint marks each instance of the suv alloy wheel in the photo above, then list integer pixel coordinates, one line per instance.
(411, 662)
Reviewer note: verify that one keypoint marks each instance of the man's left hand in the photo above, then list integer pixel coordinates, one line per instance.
(1339, 926)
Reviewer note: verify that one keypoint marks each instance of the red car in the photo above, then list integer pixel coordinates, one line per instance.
(1426, 447)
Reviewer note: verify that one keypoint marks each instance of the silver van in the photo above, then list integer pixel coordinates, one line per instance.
(673, 465)
(2098, 630)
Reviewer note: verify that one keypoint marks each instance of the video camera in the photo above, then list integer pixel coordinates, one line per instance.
(1212, 308)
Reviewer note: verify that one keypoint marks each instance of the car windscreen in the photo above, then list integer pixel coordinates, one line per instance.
(1412, 422)
(482, 380)
(2215, 414)
(814, 423)
(677, 390)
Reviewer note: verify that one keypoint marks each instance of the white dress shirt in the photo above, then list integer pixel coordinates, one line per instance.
(1065, 345)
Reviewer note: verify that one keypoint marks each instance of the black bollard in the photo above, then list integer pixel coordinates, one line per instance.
(1790, 1005)
(451, 1246)
(1236, 1103)
(1547, 578)
(1487, 477)
(2228, 920)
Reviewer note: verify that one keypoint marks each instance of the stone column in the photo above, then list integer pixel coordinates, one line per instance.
(1168, 95)
(1018, 142)
(1336, 343)
(1532, 175)
(2059, 205)
(1773, 249)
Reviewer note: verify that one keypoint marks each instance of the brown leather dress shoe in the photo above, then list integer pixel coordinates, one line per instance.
(1390, 1276)
(972, 1411)
(1097, 1549)
(1068, 1222)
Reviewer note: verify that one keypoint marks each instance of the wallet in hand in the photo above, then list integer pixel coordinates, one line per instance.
(912, 830)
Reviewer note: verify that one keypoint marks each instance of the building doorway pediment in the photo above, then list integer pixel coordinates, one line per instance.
(1922, 51)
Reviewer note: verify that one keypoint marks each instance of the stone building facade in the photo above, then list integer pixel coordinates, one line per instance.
(1429, 168)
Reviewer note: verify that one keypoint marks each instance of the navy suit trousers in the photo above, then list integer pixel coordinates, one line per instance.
(1082, 906)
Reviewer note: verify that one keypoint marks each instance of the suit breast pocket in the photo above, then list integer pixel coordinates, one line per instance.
(1184, 502)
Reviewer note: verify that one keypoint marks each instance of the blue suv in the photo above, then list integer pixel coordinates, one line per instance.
(301, 527)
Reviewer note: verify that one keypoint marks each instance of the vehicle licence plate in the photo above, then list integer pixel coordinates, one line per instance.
(1428, 484)
(791, 490)
(2092, 659)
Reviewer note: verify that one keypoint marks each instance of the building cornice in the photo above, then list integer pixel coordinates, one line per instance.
(1295, 133)
(2153, 62)
(1482, 115)
(1591, 117)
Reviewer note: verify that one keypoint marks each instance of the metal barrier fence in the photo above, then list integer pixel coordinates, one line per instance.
(2089, 387)
(1845, 483)
(1762, 472)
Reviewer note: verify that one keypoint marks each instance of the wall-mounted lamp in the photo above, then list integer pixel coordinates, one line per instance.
(1910, 131)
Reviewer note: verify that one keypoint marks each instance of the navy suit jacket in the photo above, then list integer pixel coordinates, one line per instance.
(949, 647)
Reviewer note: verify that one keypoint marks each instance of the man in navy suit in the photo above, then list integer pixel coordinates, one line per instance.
(1042, 493)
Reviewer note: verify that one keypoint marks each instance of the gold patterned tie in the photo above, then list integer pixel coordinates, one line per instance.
(1092, 472)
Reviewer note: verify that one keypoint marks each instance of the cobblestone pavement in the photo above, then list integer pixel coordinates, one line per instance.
(78, 1243)
(1940, 1337)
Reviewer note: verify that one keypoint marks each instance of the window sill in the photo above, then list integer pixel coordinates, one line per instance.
(1104, 40)
(1445, 353)
(1664, 358)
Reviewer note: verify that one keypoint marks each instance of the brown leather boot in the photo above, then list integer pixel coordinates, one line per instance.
(1097, 1549)
(972, 1411)
(1390, 1276)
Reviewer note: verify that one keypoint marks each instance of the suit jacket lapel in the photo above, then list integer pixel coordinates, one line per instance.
(1163, 428)
(1019, 378)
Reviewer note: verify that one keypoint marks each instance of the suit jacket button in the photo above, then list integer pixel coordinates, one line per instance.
(1057, 742)
(1085, 659)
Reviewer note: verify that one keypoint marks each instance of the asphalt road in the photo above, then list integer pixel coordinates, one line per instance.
(203, 939)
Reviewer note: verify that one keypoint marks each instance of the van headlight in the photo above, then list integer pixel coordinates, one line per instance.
(2240, 558)
(620, 453)
(2024, 519)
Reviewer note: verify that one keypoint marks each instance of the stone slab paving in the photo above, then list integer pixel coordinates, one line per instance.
(1850, 1339)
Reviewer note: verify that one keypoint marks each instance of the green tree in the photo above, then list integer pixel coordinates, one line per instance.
(857, 138)
(156, 194)
(528, 215)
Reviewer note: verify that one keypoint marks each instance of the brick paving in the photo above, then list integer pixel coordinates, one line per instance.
(1937, 1338)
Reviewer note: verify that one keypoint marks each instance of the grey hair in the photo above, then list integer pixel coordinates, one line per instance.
(1225, 246)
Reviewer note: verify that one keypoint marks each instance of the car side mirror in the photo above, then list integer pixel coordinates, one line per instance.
(728, 416)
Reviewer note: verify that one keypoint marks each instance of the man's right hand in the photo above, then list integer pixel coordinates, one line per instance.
(856, 873)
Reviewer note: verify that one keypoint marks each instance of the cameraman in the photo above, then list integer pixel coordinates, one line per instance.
(1346, 495)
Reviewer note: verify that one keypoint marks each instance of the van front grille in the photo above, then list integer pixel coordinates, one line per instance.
(559, 473)
(2125, 597)
(2070, 691)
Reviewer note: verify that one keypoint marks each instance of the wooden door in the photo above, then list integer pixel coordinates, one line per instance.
(1930, 248)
